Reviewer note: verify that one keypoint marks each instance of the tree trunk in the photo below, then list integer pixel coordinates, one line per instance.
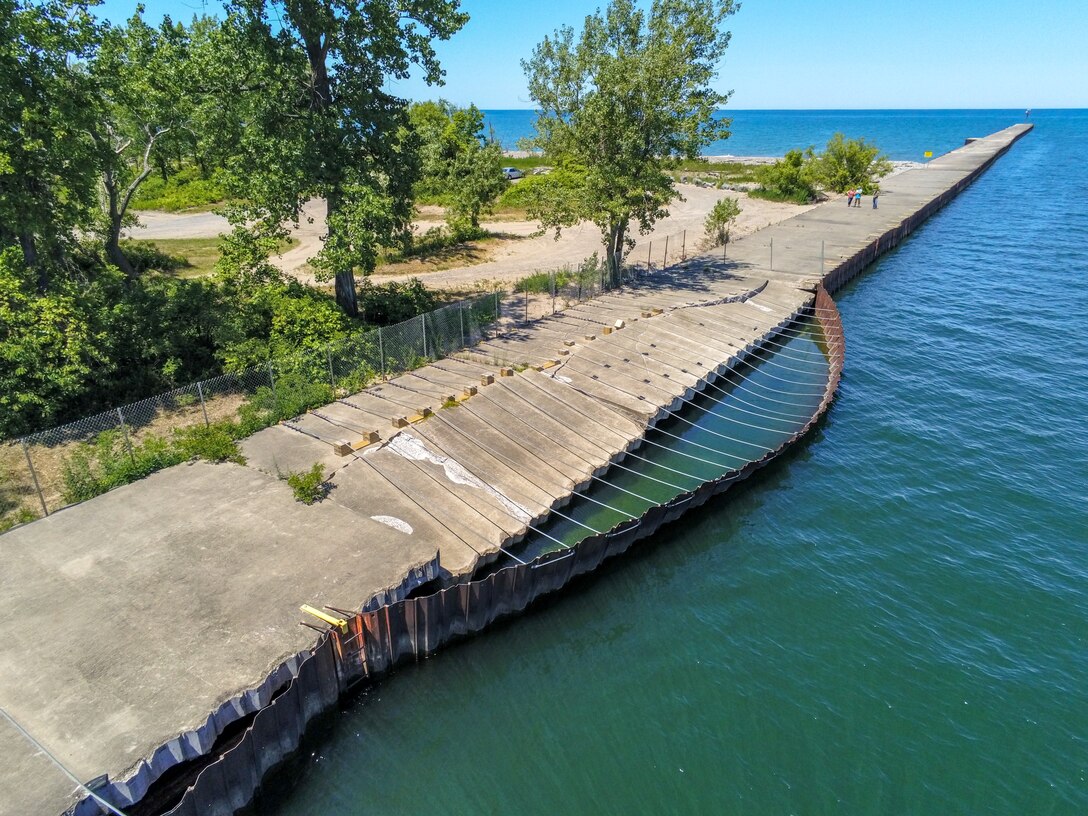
(345, 292)
(346, 295)
(614, 252)
(114, 254)
(30, 258)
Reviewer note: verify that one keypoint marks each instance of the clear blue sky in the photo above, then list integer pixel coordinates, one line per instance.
(797, 53)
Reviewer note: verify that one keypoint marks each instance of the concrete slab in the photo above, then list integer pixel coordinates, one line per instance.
(124, 621)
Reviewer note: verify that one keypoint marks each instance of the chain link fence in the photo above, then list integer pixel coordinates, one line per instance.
(550, 291)
(45, 471)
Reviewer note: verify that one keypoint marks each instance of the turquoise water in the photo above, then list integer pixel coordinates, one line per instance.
(893, 619)
(903, 134)
(734, 421)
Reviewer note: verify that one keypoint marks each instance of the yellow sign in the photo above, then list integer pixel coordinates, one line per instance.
(928, 154)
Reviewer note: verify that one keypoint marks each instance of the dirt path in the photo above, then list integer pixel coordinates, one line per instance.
(510, 259)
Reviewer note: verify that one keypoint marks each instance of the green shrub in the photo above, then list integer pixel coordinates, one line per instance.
(720, 221)
(792, 178)
(292, 396)
(214, 443)
(309, 486)
(106, 463)
(525, 193)
(388, 303)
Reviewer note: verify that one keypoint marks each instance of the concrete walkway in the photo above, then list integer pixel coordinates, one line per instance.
(126, 620)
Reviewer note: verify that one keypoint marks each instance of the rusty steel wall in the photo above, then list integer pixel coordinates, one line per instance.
(378, 640)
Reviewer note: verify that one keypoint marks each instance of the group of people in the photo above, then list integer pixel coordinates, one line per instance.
(853, 197)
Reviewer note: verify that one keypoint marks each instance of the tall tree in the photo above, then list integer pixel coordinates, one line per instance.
(459, 164)
(146, 100)
(320, 122)
(48, 167)
(851, 164)
(622, 103)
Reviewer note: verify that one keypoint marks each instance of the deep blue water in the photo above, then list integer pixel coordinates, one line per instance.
(902, 134)
(891, 620)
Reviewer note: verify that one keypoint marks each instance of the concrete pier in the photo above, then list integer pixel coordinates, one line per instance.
(126, 622)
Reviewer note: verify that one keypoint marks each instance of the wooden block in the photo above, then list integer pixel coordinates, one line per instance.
(342, 448)
(470, 391)
(564, 352)
(568, 343)
(647, 314)
(656, 311)
(591, 337)
(370, 439)
(606, 330)
(620, 324)
(400, 422)
(487, 379)
(506, 372)
(426, 412)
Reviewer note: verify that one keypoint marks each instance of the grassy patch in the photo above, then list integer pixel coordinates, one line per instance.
(776, 195)
(188, 257)
(187, 189)
(527, 164)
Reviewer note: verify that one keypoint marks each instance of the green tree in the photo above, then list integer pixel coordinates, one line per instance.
(49, 347)
(720, 221)
(146, 101)
(459, 165)
(851, 163)
(319, 122)
(48, 164)
(620, 105)
(792, 178)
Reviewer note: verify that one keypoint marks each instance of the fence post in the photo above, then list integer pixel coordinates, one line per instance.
(124, 431)
(461, 318)
(332, 377)
(203, 407)
(772, 254)
(526, 320)
(684, 246)
(381, 351)
(553, 291)
(649, 250)
(665, 260)
(822, 263)
(34, 476)
(272, 379)
(423, 321)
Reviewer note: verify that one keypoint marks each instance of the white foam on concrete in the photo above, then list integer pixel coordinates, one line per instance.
(395, 523)
(413, 448)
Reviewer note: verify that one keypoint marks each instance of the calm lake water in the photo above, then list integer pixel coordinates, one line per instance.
(905, 135)
(893, 619)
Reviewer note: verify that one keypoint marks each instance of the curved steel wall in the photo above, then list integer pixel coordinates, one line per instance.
(378, 640)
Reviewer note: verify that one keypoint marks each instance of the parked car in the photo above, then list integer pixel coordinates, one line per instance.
(512, 173)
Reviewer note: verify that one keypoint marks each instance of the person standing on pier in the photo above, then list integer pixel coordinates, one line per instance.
(857, 197)
(876, 195)
(849, 197)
